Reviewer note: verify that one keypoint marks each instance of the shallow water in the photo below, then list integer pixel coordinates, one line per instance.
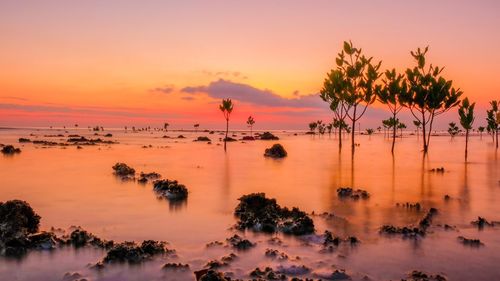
(77, 187)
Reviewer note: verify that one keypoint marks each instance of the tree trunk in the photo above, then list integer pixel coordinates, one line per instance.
(466, 143)
(393, 135)
(340, 139)
(227, 130)
(424, 133)
(353, 129)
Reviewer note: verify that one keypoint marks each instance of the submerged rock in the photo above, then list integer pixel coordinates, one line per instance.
(202, 139)
(17, 222)
(412, 231)
(470, 242)
(268, 136)
(181, 137)
(275, 254)
(259, 213)
(268, 274)
(482, 222)
(422, 276)
(10, 150)
(176, 266)
(248, 138)
(123, 170)
(170, 189)
(276, 151)
(229, 139)
(130, 252)
(81, 238)
(24, 140)
(239, 242)
(347, 192)
(437, 170)
(210, 275)
(145, 177)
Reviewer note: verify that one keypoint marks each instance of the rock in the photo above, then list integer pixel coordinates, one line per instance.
(24, 140)
(470, 242)
(275, 254)
(72, 276)
(411, 206)
(482, 222)
(210, 275)
(43, 241)
(176, 267)
(181, 137)
(10, 150)
(130, 252)
(268, 274)
(108, 135)
(229, 139)
(293, 269)
(268, 136)
(438, 170)
(421, 276)
(411, 231)
(17, 222)
(239, 243)
(276, 151)
(202, 139)
(337, 274)
(145, 177)
(170, 189)
(347, 192)
(259, 213)
(81, 238)
(248, 138)
(123, 170)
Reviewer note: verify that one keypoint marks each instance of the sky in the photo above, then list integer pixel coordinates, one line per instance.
(138, 63)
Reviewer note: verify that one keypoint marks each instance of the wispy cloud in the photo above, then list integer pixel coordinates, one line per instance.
(167, 89)
(246, 93)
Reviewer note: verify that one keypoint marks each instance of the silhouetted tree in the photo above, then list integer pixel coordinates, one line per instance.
(226, 107)
(250, 123)
(417, 124)
(429, 94)
(313, 126)
(357, 79)
(401, 126)
(466, 113)
(481, 131)
(493, 119)
(453, 129)
(389, 93)
(329, 128)
(196, 126)
(165, 126)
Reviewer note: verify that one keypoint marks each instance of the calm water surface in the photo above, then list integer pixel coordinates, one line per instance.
(72, 186)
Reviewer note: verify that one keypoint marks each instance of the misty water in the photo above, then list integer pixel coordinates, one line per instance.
(68, 187)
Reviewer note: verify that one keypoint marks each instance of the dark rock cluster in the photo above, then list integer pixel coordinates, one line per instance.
(130, 252)
(145, 177)
(268, 136)
(411, 231)
(347, 192)
(422, 276)
(18, 224)
(170, 189)
(276, 151)
(239, 242)
(123, 170)
(258, 213)
(10, 150)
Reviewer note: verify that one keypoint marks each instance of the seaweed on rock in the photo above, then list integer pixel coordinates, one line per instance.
(170, 189)
(258, 213)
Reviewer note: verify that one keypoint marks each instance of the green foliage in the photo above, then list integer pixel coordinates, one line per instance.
(453, 129)
(313, 126)
(429, 94)
(466, 113)
(226, 107)
(352, 83)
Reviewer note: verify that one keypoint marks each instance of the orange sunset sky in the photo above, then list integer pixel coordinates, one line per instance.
(136, 63)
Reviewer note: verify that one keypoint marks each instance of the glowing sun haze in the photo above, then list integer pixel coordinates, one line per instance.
(129, 62)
